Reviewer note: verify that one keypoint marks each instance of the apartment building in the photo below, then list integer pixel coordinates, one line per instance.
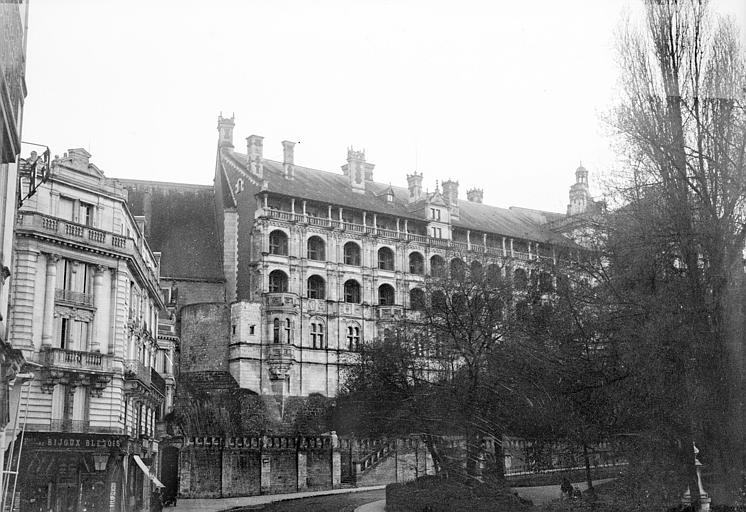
(86, 309)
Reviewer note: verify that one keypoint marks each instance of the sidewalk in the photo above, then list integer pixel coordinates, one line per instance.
(221, 504)
(374, 506)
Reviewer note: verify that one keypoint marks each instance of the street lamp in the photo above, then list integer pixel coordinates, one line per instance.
(100, 460)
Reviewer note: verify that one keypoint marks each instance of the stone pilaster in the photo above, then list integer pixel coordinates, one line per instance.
(99, 303)
(47, 333)
(23, 291)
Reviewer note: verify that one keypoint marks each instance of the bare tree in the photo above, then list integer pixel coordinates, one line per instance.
(681, 122)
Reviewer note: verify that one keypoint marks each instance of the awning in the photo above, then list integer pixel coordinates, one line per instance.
(146, 470)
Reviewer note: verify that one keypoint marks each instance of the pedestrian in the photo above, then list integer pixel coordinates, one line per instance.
(566, 487)
(156, 502)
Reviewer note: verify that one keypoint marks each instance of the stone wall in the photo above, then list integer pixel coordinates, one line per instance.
(205, 337)
(215, 467)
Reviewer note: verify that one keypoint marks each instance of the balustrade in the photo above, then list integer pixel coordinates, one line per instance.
(76, 359)
(73, 297)
(88, 235)
(445, 243)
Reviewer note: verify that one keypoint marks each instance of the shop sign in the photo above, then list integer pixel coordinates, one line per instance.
(75, 441)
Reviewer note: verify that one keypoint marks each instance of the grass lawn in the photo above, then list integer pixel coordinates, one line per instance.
(334, 503)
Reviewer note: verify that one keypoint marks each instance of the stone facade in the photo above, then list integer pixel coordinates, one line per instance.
(324, 261)
(87, 303)
(13, 27)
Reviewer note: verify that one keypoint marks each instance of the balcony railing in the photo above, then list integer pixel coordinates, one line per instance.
(134, 369)
(87, 235)
(457, 245)
(77, 298)
(389, 312)
(157, 381)
(76, 360)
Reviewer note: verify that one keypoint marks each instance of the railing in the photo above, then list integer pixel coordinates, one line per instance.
(157, 382)
(381, 453)
(389, 312)
(281, 299)
(525, 469)
(134, 369)
(76, 359)
(79, 298)
(86, 234)
(401, 235)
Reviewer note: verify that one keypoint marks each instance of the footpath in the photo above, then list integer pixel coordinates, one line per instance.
(539, 495)
(222, 504)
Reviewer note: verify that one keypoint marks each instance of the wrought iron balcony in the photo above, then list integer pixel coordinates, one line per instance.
(93, 362)
(135, 370)
(74, 298)
(159, 384)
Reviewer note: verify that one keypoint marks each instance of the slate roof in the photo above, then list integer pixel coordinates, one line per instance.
(330, 187)
(181, 225)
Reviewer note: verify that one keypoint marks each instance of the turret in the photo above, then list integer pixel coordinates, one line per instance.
(225, 131)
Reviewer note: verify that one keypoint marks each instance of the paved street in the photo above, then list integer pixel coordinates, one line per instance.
(364, 499)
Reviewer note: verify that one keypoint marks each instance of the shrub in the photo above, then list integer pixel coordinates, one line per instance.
(437, 494)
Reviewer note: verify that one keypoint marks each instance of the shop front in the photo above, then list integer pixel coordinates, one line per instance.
(73, 473)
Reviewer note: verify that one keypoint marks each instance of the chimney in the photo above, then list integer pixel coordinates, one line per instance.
(80, 157)
(254, 151)
(450, 192)
(475, 195)
(225, 131)
(357, 169)
(288, 159)
(414, 184)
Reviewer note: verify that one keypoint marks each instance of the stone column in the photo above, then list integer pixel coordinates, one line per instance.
(336, 461)
(47, 332)
(98, 302)
(302, 467)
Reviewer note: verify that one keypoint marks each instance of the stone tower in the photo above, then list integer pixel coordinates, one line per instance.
(580, 196)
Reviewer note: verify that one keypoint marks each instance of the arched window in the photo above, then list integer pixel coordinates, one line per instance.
(316, 287)
(476, 270)
(386, 295)
(278, 282)
(416, 263)
(352, 291)
(316, 249)
(545, 282)
(520, 280)
(353, 337)
(416, 299)
(276, 331)
(437, 266)
(278, 243)
(493, 274)
(317, 333)
(385, 258)
(352, 254)
(458, 269)
(438, 301)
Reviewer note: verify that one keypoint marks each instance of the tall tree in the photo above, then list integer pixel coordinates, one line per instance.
(678, 255)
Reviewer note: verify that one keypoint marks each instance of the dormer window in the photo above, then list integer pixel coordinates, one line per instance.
(435, 214)
(390, 196)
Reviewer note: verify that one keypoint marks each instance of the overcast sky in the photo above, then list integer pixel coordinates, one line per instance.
(503, 96)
